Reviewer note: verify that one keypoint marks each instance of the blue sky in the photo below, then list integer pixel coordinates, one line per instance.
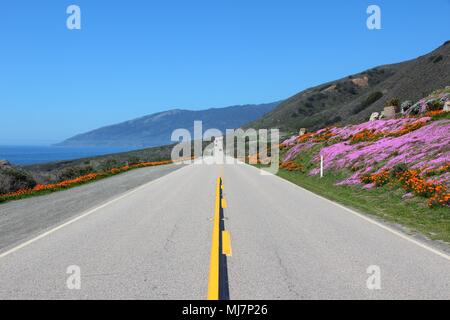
(133, 58)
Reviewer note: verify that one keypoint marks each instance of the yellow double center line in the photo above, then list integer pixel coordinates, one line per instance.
(220, 239)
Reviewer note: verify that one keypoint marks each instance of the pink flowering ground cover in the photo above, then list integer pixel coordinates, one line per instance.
(398, 170)
(424, 149)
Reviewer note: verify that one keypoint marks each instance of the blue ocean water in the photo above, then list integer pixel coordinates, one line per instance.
(23, 155)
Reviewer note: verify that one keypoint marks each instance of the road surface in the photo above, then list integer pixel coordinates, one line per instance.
(155, 242)
(22, 220)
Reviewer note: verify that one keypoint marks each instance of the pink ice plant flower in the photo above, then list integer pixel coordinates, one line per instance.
(424, 149)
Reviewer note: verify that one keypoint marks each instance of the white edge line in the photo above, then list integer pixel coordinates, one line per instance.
(83, 215)
(370, 220)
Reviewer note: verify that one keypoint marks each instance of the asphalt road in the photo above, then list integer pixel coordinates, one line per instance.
(155, 243)
(21, 220)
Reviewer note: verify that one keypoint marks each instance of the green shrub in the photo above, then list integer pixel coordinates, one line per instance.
(394, 102)
(398, 169)
(74, 172)
(371, 99)
(438, 59)
(333, 120)
(435, 105)
(109, 164)
(12, 179)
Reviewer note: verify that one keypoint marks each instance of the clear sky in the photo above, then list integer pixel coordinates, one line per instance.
(133, 58)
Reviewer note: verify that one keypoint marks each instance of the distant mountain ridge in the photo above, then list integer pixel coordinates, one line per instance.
(352, 99)
(156, 129)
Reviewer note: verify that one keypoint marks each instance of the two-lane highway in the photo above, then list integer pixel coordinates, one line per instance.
(156, 243)
(153, 243)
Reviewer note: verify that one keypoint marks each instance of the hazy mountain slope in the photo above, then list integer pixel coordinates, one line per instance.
(353, 99)
(156, 129)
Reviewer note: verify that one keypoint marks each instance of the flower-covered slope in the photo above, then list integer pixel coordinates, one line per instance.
(379, 147)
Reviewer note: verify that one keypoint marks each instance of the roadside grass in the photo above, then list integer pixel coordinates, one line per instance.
(28, 193)
(4, 199)
(384, 202)
(32, 194)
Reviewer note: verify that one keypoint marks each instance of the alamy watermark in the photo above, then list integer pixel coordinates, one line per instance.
(73, 281)
(374, 19)
(235, 145)
(374, 280)
(73, 21)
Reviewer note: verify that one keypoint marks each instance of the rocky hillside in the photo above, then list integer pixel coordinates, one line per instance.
(354, 98)
(156, 129)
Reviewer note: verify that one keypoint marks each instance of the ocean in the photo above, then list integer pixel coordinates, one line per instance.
(25, 155)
